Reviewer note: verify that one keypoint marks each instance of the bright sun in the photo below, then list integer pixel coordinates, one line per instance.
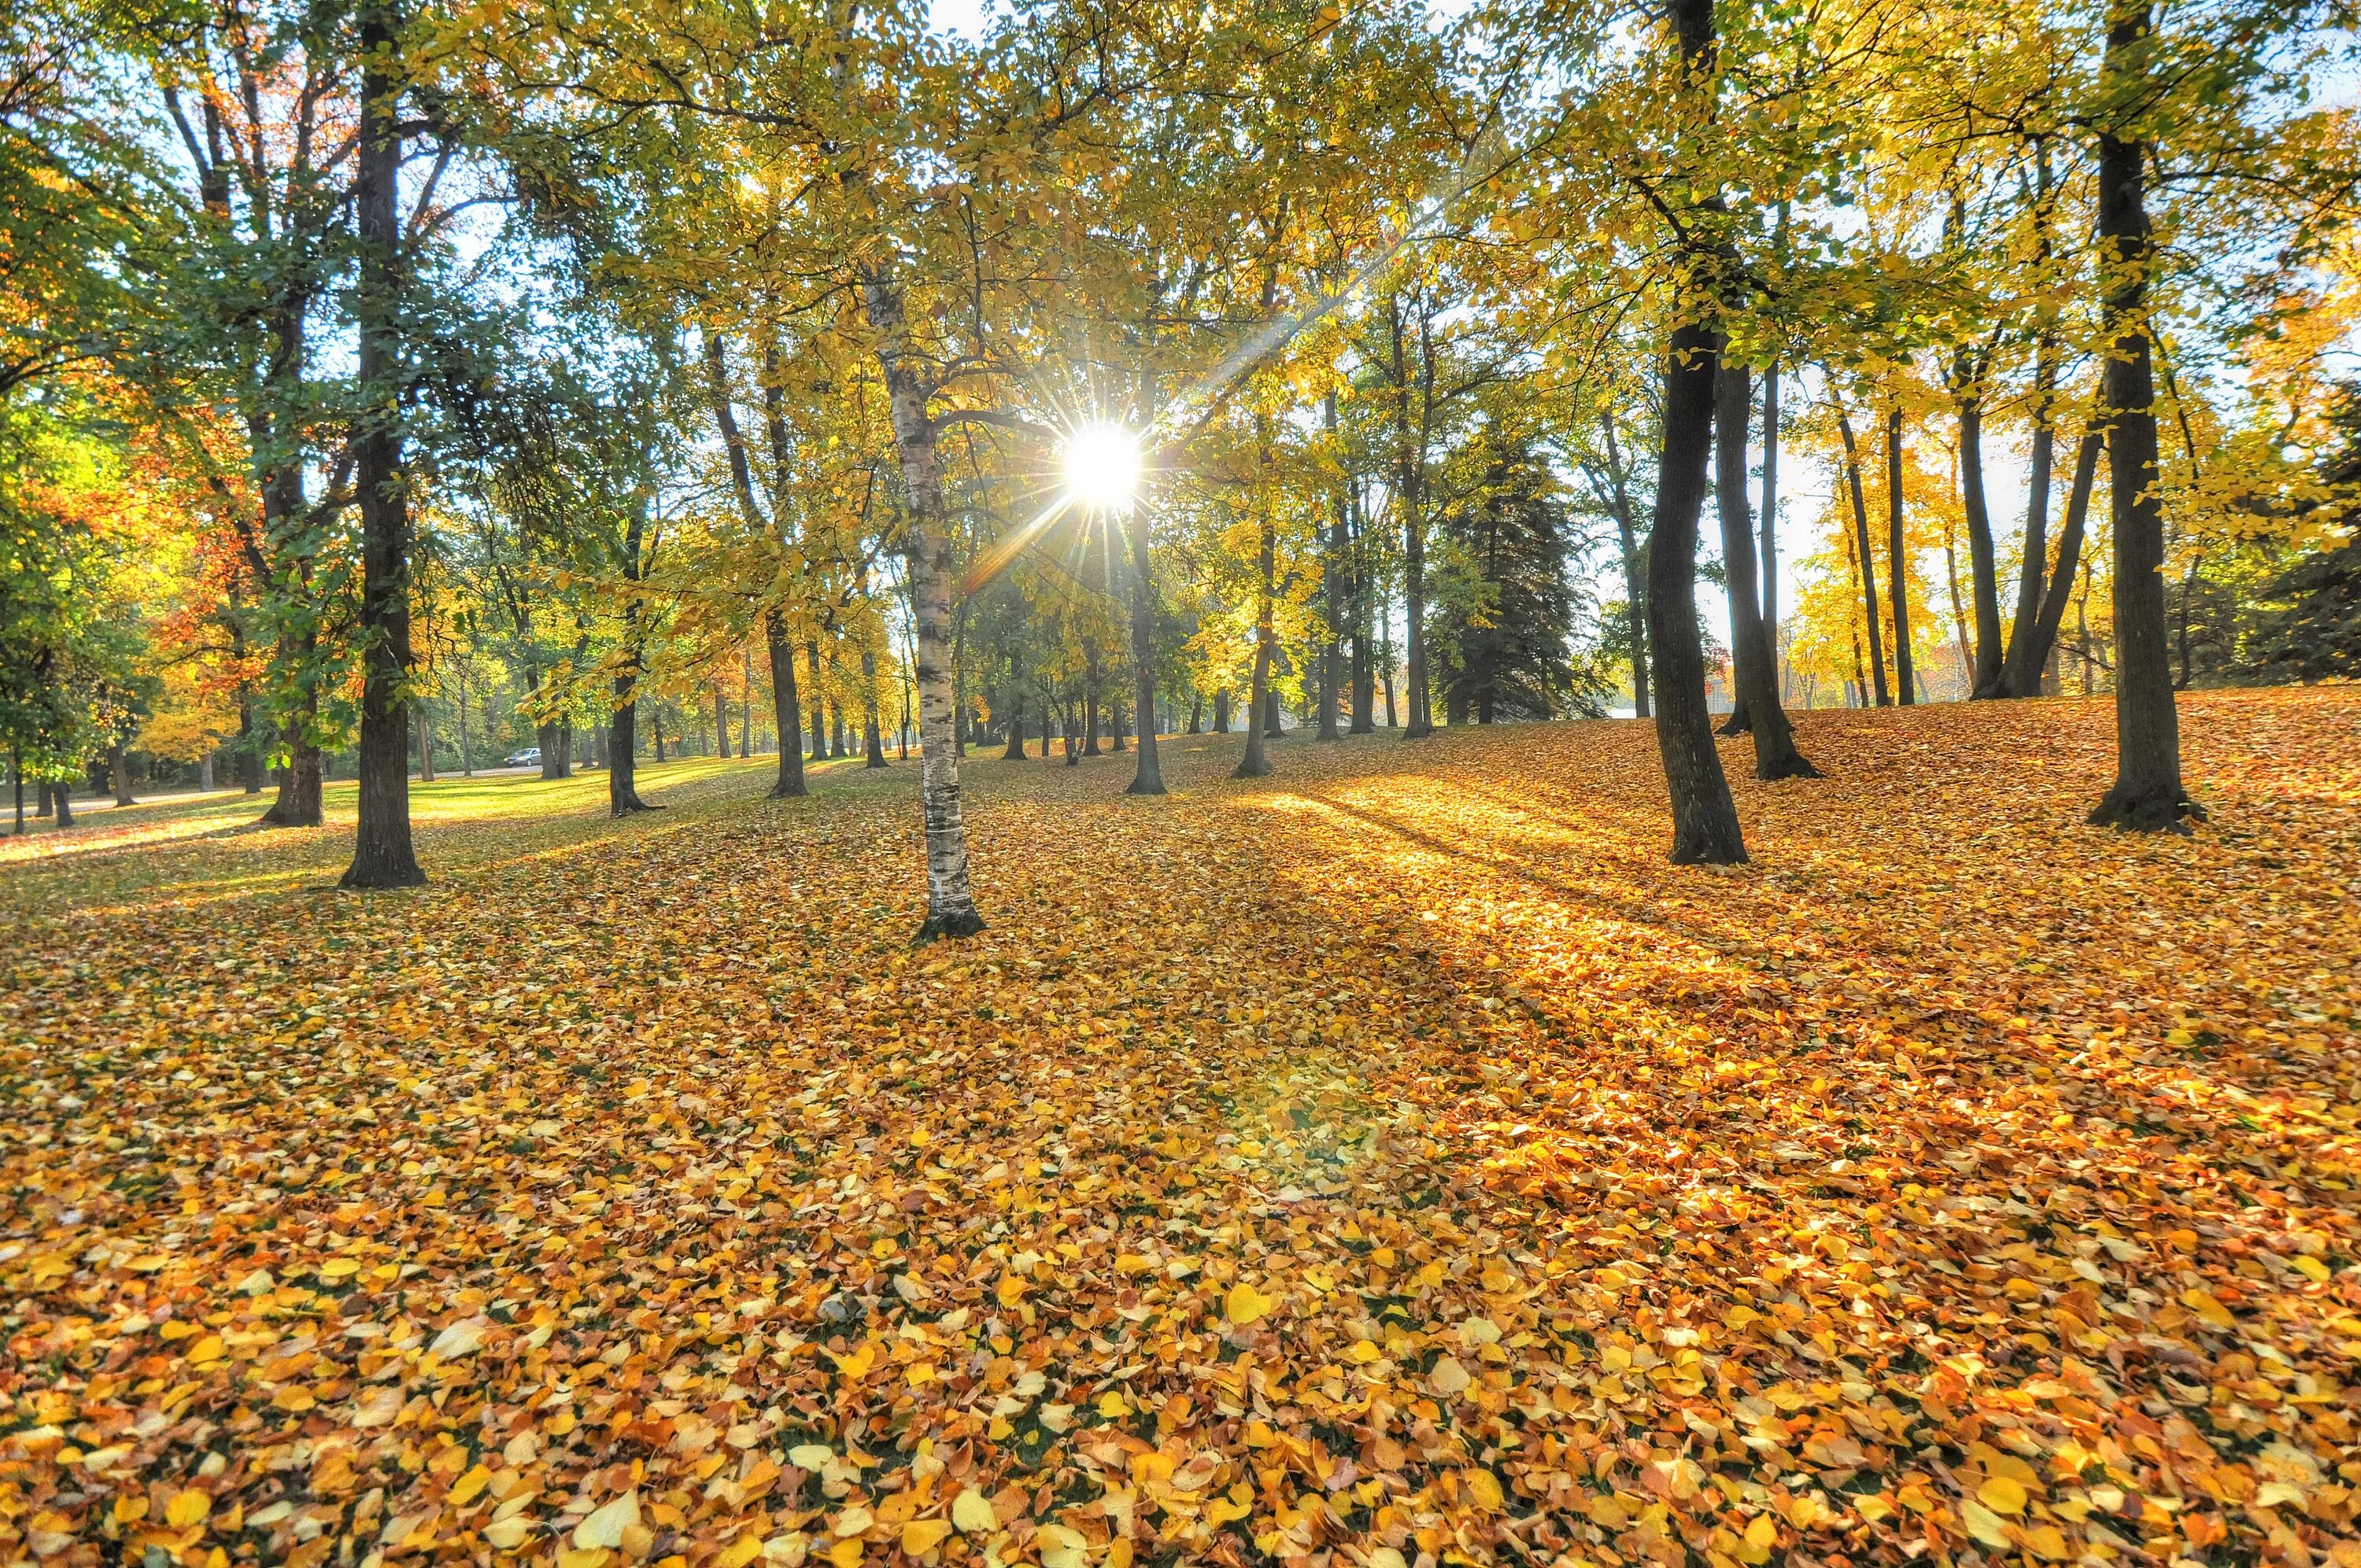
(1102, 463)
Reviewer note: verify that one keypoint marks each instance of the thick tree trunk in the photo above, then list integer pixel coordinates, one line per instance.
(2020, 667)
(622, 749)
(1148, 776)
(787, 709)
(1196, 713)
(721, 722)
(1222, 712)
(1983, 563)
(1090, 713)
(61, 799)
(2147, 796)
(118, 773)
(298, 804)
(1016, 751)
(1897, 561)
(927, 557)
(382, 855)
(1865, 562)
(1752, 671)
(1255, 763)
(1705, 817)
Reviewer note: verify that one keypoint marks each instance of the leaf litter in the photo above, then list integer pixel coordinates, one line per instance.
(1389, 1162)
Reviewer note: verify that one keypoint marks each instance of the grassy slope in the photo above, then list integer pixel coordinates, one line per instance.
(1952, 1170)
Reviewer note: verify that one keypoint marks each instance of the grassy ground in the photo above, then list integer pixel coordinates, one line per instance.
(1392, 1160)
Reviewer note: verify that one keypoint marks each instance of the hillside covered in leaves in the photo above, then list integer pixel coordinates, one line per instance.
(1392, 1161)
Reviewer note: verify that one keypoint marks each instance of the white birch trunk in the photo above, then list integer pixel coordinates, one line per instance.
(927, 553)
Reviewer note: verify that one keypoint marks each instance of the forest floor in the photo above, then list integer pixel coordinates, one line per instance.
(1390, 1161)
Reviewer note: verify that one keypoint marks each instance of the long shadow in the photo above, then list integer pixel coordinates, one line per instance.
(1635, 913)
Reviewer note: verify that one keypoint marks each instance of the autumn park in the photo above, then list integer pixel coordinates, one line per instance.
(1088, 783)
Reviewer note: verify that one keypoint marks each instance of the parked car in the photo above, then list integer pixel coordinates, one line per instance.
(528, 757)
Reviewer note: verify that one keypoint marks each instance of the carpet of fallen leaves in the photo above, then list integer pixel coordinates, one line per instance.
(1393, 1161)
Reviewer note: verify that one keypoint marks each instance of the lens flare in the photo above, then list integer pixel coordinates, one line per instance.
(1102, 463)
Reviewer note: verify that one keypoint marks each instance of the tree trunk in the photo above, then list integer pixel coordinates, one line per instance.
(1255, 763)
(622, 749)
(1635, 590)
(205, 779)
(466, 755)
(926, 555)
(2035, 671)
(61, 797)
(1196, 712)
(1752, 672)
(1422, 717)
(118, 773)
(1983, 563)
(1222, 712)
(1769, 523)
(298, 804)
(1148, 776)
(2147, 796)
(1705, 819)
(1897, 561)
(1863, 560)
(249, 748)
(872, 738)
(787, 709)
(720, 722)
(382, 855)
(2019, 659)
(1016, 750)
(1091, 713)
(622, 728)
(1333, 599)
(820, 702)
(426, 744)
